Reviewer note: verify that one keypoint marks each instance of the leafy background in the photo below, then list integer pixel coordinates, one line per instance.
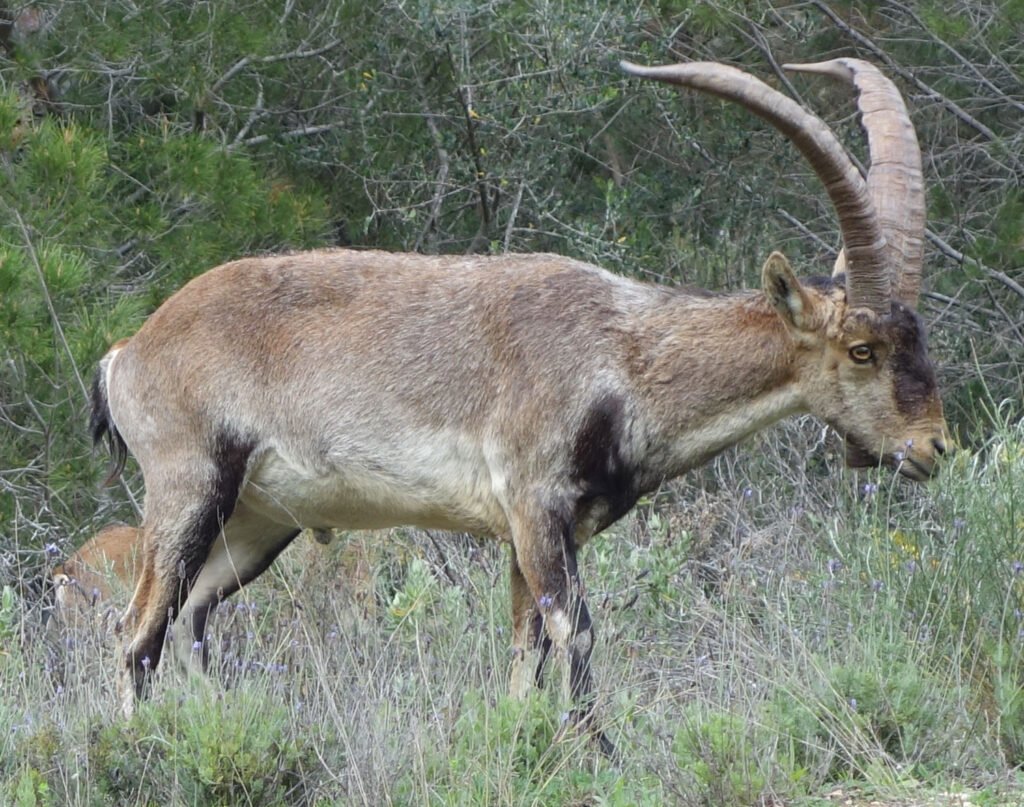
(144, 142)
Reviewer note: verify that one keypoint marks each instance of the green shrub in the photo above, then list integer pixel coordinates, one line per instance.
(879, 705)
(521, 752)
(237, 747)
(722, 753)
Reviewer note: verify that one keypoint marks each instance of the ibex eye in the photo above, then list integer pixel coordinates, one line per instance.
(861, 354)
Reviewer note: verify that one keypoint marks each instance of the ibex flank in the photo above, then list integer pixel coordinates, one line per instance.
(529, 398)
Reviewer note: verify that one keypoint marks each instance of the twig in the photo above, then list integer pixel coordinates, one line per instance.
(762, 45)
(30, 247)
(511, 223)
(785, 215)
(245, 61)
(257, 113)
(906, 75)
(960, 257)
(959, 57)
(444, 163)
(445, 565)
(460, 96)
(303, 131)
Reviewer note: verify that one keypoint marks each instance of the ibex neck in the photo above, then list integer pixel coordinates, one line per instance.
(723, 369)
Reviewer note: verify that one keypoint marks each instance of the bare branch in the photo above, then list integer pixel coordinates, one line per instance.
(960, 257)
(905, 74)
(304, 131)
(967, 63)
(462, 96)
(510, 225)
(245, 61)
(440, 181)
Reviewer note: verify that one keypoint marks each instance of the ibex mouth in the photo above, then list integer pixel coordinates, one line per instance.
(911, 467)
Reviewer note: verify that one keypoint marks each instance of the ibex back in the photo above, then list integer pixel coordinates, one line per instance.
(531, 398)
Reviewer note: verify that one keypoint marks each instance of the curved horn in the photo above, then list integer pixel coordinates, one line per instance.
(895, 180)
(868, 277)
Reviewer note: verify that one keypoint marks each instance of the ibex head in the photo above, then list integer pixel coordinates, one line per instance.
(874, 383)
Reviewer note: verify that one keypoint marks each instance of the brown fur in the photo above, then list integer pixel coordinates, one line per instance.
(531, 398)
(87, 582)
(90, 580)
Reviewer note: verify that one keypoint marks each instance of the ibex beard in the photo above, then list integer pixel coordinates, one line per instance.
(529, 398)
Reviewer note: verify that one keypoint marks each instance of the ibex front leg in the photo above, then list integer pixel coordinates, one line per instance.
(546, 588)
(530, 644)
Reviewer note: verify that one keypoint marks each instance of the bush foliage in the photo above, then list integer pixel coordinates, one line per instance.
(143, 142)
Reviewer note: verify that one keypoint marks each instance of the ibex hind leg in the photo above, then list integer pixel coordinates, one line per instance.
(188, 500)
(175, 546)
(240, 553)
(545, 555)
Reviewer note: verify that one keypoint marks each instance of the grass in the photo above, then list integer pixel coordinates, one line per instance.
(772, 630)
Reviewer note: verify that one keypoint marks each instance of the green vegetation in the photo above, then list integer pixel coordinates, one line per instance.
(770, 629)
(854, 633)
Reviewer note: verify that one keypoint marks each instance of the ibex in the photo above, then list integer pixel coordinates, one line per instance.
(530, 398)
(83, 582)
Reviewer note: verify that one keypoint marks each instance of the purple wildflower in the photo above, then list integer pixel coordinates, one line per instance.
(546, 601)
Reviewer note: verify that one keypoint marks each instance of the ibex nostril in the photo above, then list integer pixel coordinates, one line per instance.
(939, 446)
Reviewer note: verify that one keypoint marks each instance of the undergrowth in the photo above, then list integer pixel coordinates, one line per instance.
(769, 630)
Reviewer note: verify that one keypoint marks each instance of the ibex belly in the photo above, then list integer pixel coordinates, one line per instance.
(438, 488)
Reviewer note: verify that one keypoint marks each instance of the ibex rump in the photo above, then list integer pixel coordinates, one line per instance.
(531, 398)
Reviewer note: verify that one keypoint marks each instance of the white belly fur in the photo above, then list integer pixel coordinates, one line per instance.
(446, 484)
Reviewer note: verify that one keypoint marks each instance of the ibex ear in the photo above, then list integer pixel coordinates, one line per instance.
(796, 306)
(839, 267)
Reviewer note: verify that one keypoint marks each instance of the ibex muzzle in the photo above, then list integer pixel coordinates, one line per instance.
(530, 398)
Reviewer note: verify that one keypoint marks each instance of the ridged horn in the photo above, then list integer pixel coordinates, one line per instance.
(868, 276)
(895, 179)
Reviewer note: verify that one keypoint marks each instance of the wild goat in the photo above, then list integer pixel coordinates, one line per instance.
(113, 555)
(83, 582)
(530, 398)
